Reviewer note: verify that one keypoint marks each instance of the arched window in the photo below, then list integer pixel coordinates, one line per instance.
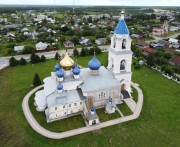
(123, 65)
(124, 44)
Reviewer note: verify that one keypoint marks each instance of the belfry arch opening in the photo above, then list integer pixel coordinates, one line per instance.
(123, 65)
(124, 42)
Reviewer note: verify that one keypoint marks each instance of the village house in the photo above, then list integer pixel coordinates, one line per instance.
(147, 51)
(18, 49)
(41, 46)
(143, 44)
(135, 36)
(177, 60)
(101, 41)
(85, 41)
(68, 44)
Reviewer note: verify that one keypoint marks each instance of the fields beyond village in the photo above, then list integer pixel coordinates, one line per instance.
(158, 124)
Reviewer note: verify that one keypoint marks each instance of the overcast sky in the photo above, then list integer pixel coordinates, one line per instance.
(96, 2)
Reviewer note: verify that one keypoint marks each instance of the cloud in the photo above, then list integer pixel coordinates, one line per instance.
(97, 2)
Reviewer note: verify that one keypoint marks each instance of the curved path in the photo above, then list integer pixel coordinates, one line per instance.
(39, 129)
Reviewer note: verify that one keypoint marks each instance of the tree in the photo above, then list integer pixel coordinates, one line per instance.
(75, 40)
(163, 18)
(28, 49)
(57, 56)
(13, 61)
(95, 49)
(37, 59)
(75, 52)
(138, 52)
(43, 58)
(83, 52)
(169, 70)
(22, 61)
(34, 58)
(150, 59)
(167, 55)
(36, 80)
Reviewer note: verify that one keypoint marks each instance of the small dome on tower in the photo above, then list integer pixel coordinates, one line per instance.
(59, 86)
(94, 64)
(76, 70)
(60, 73)
(57, 67)
(92, 109)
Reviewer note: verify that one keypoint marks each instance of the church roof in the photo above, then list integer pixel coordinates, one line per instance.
(121, 28)
(103, 80)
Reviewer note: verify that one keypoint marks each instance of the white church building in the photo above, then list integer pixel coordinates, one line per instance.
(70, 90)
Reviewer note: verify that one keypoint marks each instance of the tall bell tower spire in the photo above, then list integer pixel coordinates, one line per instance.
(120, 54)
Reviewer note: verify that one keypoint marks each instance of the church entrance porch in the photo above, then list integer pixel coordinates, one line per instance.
(124, 92)
(94, 122)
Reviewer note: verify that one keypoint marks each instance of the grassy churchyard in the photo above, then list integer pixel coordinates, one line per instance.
(158, 124)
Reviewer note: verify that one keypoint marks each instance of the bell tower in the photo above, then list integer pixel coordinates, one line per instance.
(120, 54)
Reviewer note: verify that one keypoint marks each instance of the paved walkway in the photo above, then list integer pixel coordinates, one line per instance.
(39, 129)
(131, 103)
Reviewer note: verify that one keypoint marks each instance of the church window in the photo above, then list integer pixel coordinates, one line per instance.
(75, 104)
(55, 108)
(104, 95)
(124, 44)
(64, 113)
(99, 96)
(80, 103)
(63, 106)
(69, 105)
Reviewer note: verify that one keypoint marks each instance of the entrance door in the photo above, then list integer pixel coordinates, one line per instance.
(123, 87)
(94, 122)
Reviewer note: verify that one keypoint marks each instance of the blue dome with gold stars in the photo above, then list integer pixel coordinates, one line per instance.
(59, 86)
(57, 67)
(94, 64)
(60, 73)
(76, 70)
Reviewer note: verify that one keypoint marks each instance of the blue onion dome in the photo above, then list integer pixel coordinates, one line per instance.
(60, 73)
(74, 66)
(76, 70)
(94, 64)
(59, 86)
(57, 67)
(92, 109)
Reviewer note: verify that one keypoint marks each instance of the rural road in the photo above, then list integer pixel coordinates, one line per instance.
(4, 61)
(53, 135)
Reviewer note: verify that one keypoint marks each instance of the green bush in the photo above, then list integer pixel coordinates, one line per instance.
(13, 61)
(43, 58)
(22, 61)
(36, 80)
(57, 56)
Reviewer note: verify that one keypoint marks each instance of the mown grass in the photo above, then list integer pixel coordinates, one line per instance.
(134, 94)
(105, 116)
(158, 124)
(124, 109)
(62, 125)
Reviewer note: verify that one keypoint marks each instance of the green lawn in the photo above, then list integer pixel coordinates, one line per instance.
(105, 116)
(134, 94)
(56, 126)
(124, 109)
(158, 124)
